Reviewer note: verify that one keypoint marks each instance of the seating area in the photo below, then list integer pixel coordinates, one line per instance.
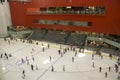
(61, 37)
(55, 36)
(38, 34)
(77, 39)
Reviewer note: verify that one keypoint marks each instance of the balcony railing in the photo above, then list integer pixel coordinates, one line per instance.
(64, 23)
(66, 10)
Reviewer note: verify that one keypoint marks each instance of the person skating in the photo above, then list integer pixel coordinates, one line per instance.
(52, 69)
(75, 53)
(48, 45)
(33, 58)
(100, 69)
(109, 68)
(1, 55)
(92, 56)
(64, 68)
(36, 67)
(22, 60)
(101, 56)
(50, 58)
(32, 67)
(43, 49)
(72, 59)
(110, 55)
(93, 65)
(59, 51)
(116, 68)
(23, 73)
(61, 54)
(106, 74)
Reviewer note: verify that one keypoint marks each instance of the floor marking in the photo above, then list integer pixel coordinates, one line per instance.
(47, 69)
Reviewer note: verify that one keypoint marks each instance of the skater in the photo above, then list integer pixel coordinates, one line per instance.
(52, 69)
(27, 61)
(68, 49)
(9, 41)
(36, 67)
(106, 74)
(1, 55)
(36, 43)
(16, 40)
(22, 60)
(109, 68)
(99, 53)
(92, 56)
(83, 50)
(64, 68)
(10, 55)
(118, 61)
(101, 56)
(72, 59)
(65, 50)
(59, 52)
(75, 53)
(6, 56)
(5, 39)
(32, 67)
(23, 72)
(71, 48)
(60, 46)
(79, 49)
(110, 55)
(26, 58)
(116, 68)
(118, 76)
(93, 65)
(33, 58)
(32, 49)
(43, 49)
(48, 45)
(50, 58)
(100, 69)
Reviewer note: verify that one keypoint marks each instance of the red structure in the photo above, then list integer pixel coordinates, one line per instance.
(108, 23)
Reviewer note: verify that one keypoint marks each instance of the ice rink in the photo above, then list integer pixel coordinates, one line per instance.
(66, 66)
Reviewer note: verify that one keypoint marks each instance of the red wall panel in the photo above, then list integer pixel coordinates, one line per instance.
(108, 23)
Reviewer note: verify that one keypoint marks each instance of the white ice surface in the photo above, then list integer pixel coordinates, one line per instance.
(80, 69)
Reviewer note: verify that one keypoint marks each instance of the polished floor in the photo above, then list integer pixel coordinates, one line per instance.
(65, 66)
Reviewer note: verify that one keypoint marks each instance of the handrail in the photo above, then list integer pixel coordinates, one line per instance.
(113, 43)
(30, 35)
